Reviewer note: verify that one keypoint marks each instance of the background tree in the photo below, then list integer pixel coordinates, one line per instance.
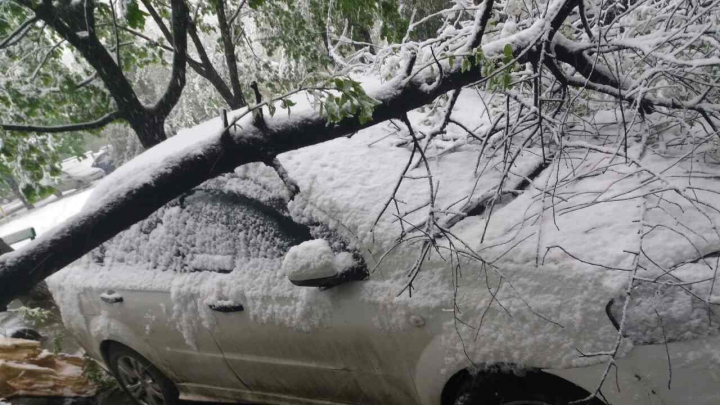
(91, 31)
(63, 65)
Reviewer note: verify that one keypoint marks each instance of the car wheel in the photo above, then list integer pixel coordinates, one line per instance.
(142, 381)
(532, 388)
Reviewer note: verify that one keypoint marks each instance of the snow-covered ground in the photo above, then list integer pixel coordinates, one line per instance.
(45, 217)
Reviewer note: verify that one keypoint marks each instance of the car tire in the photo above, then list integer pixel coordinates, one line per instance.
(142, 381)
(498, 387)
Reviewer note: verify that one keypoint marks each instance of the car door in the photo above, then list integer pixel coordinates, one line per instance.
(345, 359)
(288, 341)
(196, 362)
(138, 303)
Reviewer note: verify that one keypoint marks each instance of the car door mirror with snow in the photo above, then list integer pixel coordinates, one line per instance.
(314, 264)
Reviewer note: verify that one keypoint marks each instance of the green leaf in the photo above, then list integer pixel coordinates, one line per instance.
(508, 51)
(506, 80)
(135, 17)
(478, 55)
(466, 65)
(255, 4)
(286, 103)
(452, 60)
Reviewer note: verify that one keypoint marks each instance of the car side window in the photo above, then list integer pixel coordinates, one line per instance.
(208, 231)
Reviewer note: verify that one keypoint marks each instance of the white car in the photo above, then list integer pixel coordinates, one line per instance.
(241, 291)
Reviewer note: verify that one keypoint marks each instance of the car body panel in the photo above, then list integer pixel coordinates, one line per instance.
(644, 375)
(341, 361)
(142, 321)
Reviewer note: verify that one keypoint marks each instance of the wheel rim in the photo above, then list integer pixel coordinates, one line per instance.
(138, 381)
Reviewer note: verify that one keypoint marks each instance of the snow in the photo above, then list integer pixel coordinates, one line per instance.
(142, 168)
(309, 260)
(221, 263)
(47, 216)
(110, 295)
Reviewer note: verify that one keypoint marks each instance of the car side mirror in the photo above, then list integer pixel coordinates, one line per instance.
(314, 264)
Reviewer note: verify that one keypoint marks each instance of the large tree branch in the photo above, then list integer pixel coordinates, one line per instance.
(229, 52)
(647, 101)
(236, 13)
(73, 26)
(180, 20)
(158, 20)
(205, 67)
(85, 126)
(209, 72)
(566, 51)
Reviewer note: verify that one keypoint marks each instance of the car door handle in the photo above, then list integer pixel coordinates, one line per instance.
(227, 307)
(111, 297)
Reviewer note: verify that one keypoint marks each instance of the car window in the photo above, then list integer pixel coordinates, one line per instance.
(207, 231)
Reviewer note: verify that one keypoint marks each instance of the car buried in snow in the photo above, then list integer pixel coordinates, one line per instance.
(243, 290)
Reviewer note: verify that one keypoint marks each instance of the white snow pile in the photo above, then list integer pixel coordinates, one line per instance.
(314, 259)
(538, 272)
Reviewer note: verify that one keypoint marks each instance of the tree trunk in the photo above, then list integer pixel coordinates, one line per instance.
(149, 128)
(221, 154)
(39, 296)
